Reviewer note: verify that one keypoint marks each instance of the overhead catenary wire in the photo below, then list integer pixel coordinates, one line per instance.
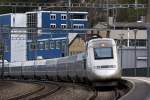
(74, 5)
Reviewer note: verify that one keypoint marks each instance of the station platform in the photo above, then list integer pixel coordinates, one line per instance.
(140, 89)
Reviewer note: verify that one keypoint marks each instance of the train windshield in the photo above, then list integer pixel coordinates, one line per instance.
(103, 53)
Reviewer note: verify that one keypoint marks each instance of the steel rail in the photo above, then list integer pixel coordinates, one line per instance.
(41, 87)
(39, 93)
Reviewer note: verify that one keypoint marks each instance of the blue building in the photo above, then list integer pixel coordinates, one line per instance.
(52, 38)
(14, 41)
(47, 36)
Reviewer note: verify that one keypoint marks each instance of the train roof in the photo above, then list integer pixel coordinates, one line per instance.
(101, 39)
(98, 41)
(27, 63)
(54, 61)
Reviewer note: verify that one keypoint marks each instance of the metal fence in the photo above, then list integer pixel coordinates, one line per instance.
(133, 64)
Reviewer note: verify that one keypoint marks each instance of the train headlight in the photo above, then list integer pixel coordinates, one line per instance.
(102, 45)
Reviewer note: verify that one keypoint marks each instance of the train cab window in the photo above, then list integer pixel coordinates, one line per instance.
(103, 53)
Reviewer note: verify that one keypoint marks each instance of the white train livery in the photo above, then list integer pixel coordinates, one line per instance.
(98, 63)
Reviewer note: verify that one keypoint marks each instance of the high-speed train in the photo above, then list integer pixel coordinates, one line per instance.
(98, 63)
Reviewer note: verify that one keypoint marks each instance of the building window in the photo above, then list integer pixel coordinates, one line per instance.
(78, 16)
(32, 46)
(131, 43)
(46, 45)
(139, 43)
(53, 26)
(63, 26)
(58, 46)
(75, 26)
(81, 26)
(52, 44)
(53, 16)
(63, 16)
(6, 46)
(41, 45)
(6, 49)
(32, 24)
(78, 26)
(63, 43)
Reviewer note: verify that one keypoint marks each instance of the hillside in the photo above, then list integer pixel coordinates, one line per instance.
(95, 15)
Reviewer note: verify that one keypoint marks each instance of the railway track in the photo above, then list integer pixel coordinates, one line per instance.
(111, 93)
(71, 91)
(45, 89)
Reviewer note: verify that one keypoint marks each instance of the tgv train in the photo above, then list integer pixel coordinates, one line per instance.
(98, 63)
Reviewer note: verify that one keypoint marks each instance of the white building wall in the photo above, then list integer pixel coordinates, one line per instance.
(39, 21)
(18, 20)
(18, 38)
(18, 47)
(128, 34)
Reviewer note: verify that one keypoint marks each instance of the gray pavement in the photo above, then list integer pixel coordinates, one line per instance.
(140, 91)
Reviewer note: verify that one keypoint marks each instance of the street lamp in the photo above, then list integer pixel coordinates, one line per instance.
(121, 37)
(135, 33)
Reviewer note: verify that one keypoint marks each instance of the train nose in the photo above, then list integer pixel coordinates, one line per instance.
(106, 74)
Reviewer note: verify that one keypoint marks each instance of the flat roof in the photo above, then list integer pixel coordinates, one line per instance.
(77, 12)
(129, 25)
(10, 14)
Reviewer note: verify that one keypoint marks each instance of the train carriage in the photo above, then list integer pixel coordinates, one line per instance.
(97, 64)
